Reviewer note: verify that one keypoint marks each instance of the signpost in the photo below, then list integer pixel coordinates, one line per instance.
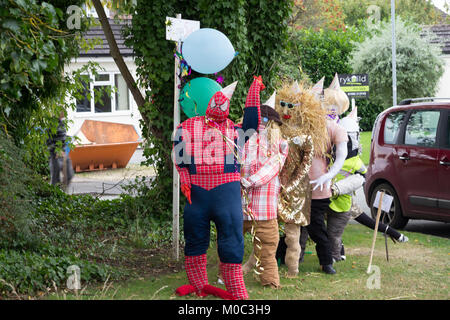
(177, 29)
(383, 202)
(356, 86)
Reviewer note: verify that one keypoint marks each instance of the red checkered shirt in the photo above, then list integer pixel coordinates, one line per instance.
(260, 167)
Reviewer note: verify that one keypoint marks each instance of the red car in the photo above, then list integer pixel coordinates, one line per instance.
(410, 160)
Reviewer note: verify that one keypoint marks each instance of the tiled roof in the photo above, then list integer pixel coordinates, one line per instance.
(103, 50)
(440, 34)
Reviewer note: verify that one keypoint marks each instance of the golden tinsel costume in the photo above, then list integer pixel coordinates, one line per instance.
(304, 127)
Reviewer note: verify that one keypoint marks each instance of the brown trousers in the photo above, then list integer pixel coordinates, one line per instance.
(267, 232)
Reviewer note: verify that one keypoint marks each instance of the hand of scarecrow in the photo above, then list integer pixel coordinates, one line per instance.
(326, 179)
(259, 81)
(322, 181)
(186, 189)
(245, 183)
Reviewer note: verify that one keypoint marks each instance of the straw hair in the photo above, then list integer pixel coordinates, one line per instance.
(309, 118)
(337, 98)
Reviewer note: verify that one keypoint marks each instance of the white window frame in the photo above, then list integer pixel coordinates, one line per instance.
(111, 82)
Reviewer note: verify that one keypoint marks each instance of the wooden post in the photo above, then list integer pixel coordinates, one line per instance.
(375, 231)
(176, 177)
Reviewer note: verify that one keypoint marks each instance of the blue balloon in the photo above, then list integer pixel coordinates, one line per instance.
(207, 51)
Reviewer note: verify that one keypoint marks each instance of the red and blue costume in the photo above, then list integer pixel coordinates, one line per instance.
(206, 157)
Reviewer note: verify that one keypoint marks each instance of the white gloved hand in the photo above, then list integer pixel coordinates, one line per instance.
(325, 179)
(245, 183)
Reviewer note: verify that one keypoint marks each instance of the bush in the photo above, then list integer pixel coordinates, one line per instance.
(15, 196)
(419, 66)
(319, 53)
(29, 272)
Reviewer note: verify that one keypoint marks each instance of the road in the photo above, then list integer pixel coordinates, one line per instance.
(440, 229)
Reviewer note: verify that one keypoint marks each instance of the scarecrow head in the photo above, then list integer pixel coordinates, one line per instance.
(302, 114)
(219, 105)
(335, 101)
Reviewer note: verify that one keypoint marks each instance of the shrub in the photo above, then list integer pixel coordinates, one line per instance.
(419, 66)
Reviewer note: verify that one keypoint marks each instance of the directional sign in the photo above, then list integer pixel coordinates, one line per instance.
(179, 29)
(355, 85)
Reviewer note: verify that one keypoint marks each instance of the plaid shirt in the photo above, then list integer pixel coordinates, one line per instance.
(260, 167)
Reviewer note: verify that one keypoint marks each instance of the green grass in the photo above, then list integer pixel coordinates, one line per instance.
(365, 142)
(418, 269)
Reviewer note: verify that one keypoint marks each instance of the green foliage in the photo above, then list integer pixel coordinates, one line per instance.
(358, 12)
(15, 195)
(257, 30)
(419, 65)
(314, 54)
(29, 272)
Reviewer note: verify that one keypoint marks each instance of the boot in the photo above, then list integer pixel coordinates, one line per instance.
(195, 267)
(328, 269)
(234, 280)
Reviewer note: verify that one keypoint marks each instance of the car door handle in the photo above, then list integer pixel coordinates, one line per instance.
(444, 163)
(405, 157)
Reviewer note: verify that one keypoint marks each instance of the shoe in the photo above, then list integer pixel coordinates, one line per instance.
(403, 238)
(328, 269)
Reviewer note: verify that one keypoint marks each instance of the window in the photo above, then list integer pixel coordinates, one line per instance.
(392, 126)
(104, 93)
(82, 102)
(447, 135)
(122, 93)
(421, 128)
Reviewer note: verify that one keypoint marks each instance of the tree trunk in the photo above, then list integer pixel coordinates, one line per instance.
(123, 68)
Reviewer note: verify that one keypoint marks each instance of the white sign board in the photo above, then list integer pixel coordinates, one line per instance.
(386, 202)
(179, 29)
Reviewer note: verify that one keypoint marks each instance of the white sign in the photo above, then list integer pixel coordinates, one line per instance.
(179, 29)
(386, 202)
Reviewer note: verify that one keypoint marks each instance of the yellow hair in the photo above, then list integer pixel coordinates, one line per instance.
(308, 118)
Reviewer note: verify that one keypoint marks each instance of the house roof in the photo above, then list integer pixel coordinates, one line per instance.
(440, 34)
(103, 49)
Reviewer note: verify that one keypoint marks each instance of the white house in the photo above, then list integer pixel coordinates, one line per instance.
(443, 33)
(120, 107)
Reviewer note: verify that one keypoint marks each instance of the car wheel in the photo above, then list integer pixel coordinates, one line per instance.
(394, 217)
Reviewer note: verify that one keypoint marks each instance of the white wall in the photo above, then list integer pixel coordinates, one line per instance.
(127, 117)
(443, 90)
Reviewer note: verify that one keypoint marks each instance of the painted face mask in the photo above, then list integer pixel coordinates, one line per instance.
(219, 105)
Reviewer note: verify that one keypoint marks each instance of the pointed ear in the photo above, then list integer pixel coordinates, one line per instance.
(271, 101)
(318, 87)
(295, 88)
(229, 90)
(335, 83)
(354, 114)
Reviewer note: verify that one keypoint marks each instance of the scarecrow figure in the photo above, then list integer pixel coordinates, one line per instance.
(206, 157)
(264, 155)
(305, 129)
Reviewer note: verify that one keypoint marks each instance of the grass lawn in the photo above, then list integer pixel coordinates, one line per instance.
(418, 269)
(365, 142)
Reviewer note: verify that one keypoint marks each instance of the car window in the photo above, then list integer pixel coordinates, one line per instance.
(447, 143)
(392, 126)
(422, 127)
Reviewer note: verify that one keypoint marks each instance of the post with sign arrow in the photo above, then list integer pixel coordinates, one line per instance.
(177, 30)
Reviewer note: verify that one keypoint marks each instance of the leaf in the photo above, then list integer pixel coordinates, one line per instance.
(12, 25)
